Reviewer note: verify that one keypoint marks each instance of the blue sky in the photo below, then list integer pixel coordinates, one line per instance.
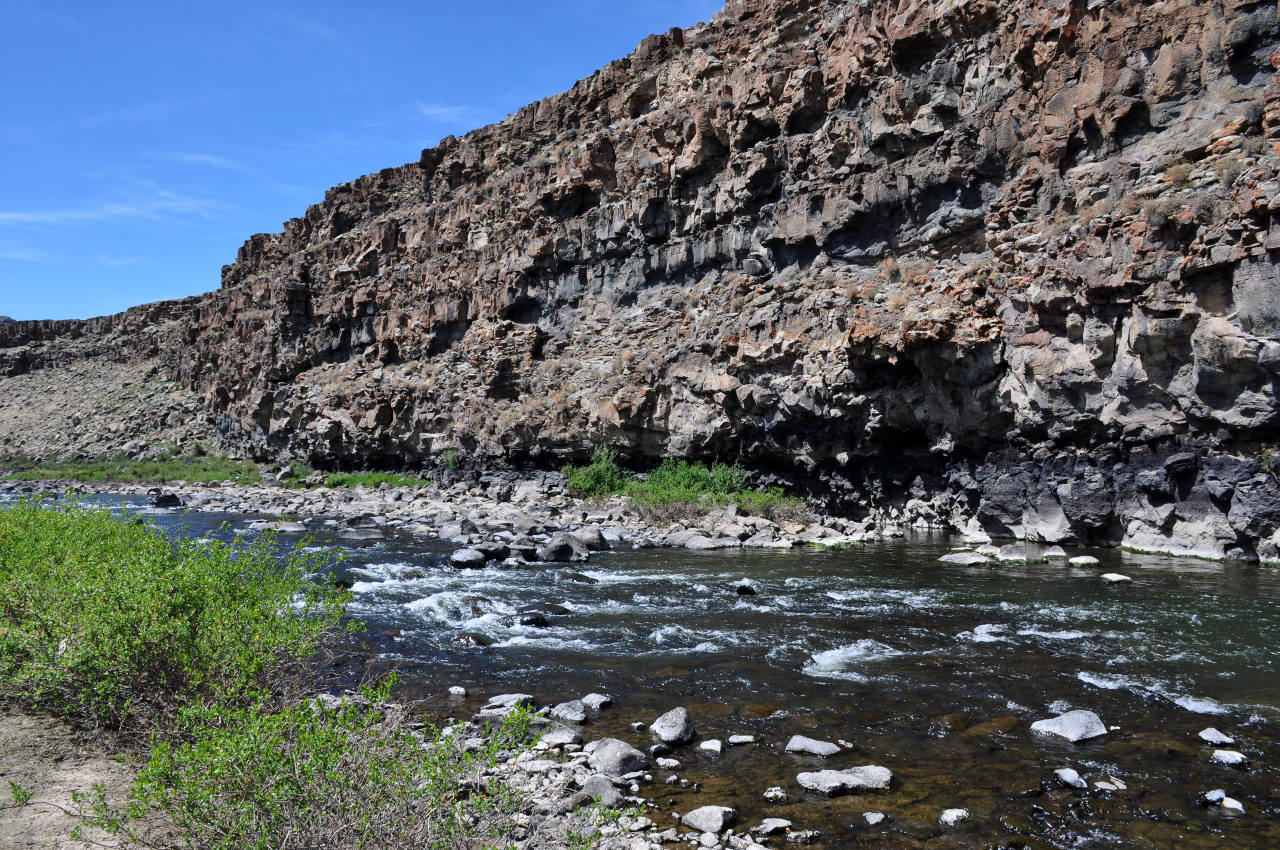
(142, 143)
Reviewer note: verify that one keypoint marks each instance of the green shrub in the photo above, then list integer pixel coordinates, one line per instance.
(681, 489)
(372, 479)
(602, 477)
(196, 468)
(109, 619)
(356, 776)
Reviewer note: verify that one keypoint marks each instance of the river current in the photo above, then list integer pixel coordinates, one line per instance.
(933, 670)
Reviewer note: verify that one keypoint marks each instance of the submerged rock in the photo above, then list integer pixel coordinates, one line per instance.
(964, 559)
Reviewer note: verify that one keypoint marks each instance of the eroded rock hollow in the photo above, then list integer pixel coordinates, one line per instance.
(1007, 265)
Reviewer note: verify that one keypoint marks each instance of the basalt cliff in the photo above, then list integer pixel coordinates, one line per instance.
(1007, 266)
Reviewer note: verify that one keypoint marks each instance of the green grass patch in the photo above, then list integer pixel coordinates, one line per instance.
(111, 620)
(679, 489)
(372, 479)
(193, 468)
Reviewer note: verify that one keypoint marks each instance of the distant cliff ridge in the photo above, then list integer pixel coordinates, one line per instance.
(1009, 266)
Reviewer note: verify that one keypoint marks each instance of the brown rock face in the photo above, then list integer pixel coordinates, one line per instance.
(942, 259)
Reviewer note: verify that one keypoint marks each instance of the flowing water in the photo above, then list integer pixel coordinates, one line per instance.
(934, 671)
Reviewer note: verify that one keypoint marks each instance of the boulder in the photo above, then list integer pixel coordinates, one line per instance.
(573, 711)
(964, 559)
(562, 548)
(674, 727)
(1074, 726)
(601, 788)
(810, 746)
(833, 782)
(468, 557)
(614, 758)
(713, 819)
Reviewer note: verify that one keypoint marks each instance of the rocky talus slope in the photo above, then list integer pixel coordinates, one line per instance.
(1008, 266)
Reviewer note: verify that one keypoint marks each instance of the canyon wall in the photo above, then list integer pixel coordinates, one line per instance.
(1001, 266)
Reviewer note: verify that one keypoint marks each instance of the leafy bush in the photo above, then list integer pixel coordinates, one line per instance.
(681, 489)
(196, 468)
(354, 776)
(372, 479)
(602, 477)
(110, 619)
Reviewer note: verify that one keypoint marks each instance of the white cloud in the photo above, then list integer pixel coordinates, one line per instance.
(159, 206)
(206, 159)
(448, 113)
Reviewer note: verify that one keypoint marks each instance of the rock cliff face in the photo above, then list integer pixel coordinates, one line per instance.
(957, 262)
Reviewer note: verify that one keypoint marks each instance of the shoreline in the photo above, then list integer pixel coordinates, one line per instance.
(534, 510)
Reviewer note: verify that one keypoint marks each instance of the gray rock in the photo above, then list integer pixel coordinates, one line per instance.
(772, 826)
(713, 819)
(591, 538)
(468, 558)
(1083, 561)
(966, 559)
(615, 758)
(833, 782)
(1079, 725)
(1056, 553)
(562, 548)
(1069, 777)
(1213, 736)
(561, 736)
(573, 711)
(951, 817)
(810, 746)
(775, 795)
(508, 700)
(873, 818)
(595, 702)
(1231, 758)
(602, 789)
(712, 745)
(674, 727)
(1115, 578)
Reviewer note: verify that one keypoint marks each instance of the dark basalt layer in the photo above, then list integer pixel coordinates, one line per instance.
(1002, 266)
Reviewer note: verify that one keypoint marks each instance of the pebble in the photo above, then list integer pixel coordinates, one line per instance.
(775, 795)
(711, 745)
(951, 817)
(739, 740)
(1114, 578)
(873, 818)
(457, 691)
(1083, 561)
